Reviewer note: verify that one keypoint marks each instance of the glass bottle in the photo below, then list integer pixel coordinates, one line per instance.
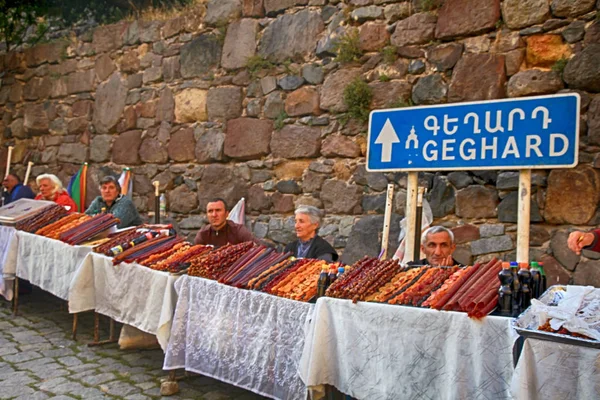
(332, 275)
(516, 287)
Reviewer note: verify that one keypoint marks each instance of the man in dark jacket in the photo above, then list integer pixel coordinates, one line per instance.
(220, 230)
(309, 244)
(15, 189)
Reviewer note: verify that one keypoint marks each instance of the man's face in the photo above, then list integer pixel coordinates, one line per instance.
(46, 188)
(305, 229)
(109, 192)
(217, 215)
(9, 182)
(438, 249)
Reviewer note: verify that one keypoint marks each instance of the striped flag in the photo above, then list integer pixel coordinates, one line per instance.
(126, 182)
(77, 187)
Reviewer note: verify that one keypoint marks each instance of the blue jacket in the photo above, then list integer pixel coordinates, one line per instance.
(20, 191)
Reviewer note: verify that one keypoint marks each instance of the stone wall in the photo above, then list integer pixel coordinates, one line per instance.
(244, 98)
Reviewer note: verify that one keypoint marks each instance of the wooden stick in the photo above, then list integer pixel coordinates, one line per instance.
(29, 165)
(16, 296)
(156, 202)
(75, 321)
(524, 215)
(411, 214)
(8, 160)
(386, 221)
(419, 222)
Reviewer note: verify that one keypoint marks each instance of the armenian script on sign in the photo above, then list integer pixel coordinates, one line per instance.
(534, 132)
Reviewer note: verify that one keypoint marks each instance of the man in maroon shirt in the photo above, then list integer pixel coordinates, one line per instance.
(220, 230)
(584, 240)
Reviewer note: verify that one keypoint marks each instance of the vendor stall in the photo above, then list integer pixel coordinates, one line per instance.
(249, 339)
(128, 293)
(377, 351)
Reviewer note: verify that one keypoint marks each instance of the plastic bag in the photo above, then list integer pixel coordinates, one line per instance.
(426, 221)
(238, 212)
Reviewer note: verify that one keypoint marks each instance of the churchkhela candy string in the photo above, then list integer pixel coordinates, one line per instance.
(88, 229)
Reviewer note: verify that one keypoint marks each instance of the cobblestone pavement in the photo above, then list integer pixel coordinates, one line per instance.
(38, 360)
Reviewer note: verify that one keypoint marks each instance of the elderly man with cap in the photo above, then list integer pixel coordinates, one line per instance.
(113, 202)
(15, 189)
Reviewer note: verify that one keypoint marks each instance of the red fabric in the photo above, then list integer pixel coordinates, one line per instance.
(62, 199)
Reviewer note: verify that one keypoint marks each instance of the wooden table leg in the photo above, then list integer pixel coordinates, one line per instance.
(75, 320)
(16, 296)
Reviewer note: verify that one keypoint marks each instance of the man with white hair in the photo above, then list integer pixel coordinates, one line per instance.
(51, 189)
(309, 244)
(437, 243)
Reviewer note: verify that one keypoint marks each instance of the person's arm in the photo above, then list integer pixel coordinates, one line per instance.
(127, 214)
(244, 235)
(326, 257)
(93, 208)
(199, 238)
(23, 192)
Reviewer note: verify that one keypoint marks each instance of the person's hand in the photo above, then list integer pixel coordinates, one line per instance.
(447, 262)
(578, 240)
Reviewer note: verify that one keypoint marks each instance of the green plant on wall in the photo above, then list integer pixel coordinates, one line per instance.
(347, 47)
(429, 5)
(357, 97)
(401, 103)
(389, 54)
(280, 120)
(559, 66)
(257, 63)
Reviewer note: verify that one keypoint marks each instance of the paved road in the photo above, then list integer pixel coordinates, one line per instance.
(38, 360)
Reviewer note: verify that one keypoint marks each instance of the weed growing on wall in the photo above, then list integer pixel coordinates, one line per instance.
(358, 96)
(347, 47)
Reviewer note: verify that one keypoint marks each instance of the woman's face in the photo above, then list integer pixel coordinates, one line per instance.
(46, 188)
(305, 229)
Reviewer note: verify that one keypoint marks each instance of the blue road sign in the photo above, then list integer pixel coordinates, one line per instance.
(524, 133)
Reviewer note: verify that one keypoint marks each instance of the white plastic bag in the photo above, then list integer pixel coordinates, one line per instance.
(426, 221)
(238, 213)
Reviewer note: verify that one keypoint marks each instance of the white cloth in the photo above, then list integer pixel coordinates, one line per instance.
(379, 351)
(555, 371)
(48, 263)
(8, 260)
(129, 293)
(249, 339)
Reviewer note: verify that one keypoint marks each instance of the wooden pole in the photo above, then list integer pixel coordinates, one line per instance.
(29, 165)
(524, 215)
(156, 202)
(386, 220)
(411, 214)
(419, 222)
(8, 160)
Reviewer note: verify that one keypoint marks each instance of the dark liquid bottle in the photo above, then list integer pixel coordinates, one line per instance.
(332, 275)
(322, 283)
(525, 281)
(536, 280)
(505, 293)
(516, 287)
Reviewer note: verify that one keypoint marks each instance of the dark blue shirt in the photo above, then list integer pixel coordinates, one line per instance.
(20, 191)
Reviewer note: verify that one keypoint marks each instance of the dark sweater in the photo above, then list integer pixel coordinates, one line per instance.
(318, 248)
(122, 208)
(231, 233)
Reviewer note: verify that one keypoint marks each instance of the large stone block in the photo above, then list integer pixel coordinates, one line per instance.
(221, 11)
(37, 88)
(209, 146)
(593, 120)
(561, 251)
(332, 91)
(592, 34)
(109, 37)
(190, 105)
(224, 103)
(104, 67)
(296, 141)
(220, 181)
(181, 145)
(441, 197)
(340, 146)
(546, 50)
(571, 8)
(274, 7)
(587, 273)
(430, 89)
(247, 138)
(466, 18)
(416, 29)
(508, 209)
(110, 101)
(445, 56)
(36, 120)
(491, 245)
(240, 43)
(340, 197)
(253, 8)
(165, 107)
(386, 94)
(51, 52)
(366, 236)
(583, 70)
(126, 147)
(534, 82)
(523, 13)
(182, 200)
(572, 195)
(555, 273)
(465, 233)
(152, 151)
(476, 201)
(373, 36)
(257, 199)
(291, 35)
(75, 153)
(478, 77)
(200, 55)
(79, 82)
(100, 148)
(303, 101)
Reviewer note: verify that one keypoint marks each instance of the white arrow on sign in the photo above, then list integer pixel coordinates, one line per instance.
(386, 138)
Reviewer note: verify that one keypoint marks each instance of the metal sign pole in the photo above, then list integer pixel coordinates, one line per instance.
(411, 214)
(386, 221)
(524, 215)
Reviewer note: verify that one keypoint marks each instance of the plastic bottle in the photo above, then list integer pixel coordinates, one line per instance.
(322, 283)
(525, 282)
(516, 287)
(332, 275)
(505, 293)
(543, 282)
(340, 271)
(536, 280)
(163, 205)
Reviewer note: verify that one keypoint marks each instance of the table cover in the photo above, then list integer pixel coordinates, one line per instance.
(249, 339)
(549, 370)
(129, 293)
(379, 351)
(48, 263)
(8, 260)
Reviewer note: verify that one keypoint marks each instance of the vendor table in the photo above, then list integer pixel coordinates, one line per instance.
(550, 370)
(378, 351)
(246, 338)
(129, 293)
(8, 260)
(48, 263)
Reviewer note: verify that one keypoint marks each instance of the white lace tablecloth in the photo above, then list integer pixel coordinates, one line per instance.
(48, 263)
(129, 293)
(249, 339)
(548, 370)
(378, 351)
(8, 260)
